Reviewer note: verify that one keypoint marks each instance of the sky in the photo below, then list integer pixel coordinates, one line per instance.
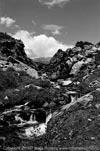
(48, 25)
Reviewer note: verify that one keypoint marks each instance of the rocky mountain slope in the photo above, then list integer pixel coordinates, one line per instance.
(12, 54)
(44, 60)
(52, 106)
(68, 63)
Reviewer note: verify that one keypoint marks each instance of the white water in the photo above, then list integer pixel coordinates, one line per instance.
(39, 129)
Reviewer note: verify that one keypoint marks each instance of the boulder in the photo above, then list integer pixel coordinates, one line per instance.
(97, 45)
(76, 67)
(66, 83)
(97, 58)
(53, 76)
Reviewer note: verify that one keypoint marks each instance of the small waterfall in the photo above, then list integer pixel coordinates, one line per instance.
(38, 130)
(48, 118)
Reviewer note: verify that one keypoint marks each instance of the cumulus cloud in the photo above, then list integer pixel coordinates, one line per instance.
(17, 26)
(7, 21)
(51, 3)
(40, 45)
(55, 29)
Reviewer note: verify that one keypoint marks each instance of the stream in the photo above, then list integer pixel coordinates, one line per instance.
(25, 123)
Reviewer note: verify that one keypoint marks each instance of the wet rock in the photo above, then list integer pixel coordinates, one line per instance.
(72, 95)
(25, 115)
(40, 115)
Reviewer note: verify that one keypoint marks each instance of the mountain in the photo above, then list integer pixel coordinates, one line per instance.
(55, 105)
(44, 60)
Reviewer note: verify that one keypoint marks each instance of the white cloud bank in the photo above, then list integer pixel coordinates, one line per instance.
(39, 46)
(51, 3)
(7, 21)
(55, 29)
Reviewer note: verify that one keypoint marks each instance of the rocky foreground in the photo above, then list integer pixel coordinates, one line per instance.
(49, 106)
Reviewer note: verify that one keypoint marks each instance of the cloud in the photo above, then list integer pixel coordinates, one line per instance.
(51, 3)
(40, 45)
(17, 26)
(55, 29)
(7, 21)
(34, 23)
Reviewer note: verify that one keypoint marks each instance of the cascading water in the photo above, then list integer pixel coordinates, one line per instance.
(39, 129)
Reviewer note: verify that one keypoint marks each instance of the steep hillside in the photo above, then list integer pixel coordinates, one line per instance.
(12, 54)
(12, 47)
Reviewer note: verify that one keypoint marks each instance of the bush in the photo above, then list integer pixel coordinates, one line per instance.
(8, 79)
(13, 79)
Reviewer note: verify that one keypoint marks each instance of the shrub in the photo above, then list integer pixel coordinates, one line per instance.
(8, 79)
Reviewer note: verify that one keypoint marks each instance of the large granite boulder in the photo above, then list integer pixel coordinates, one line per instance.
(76, 67)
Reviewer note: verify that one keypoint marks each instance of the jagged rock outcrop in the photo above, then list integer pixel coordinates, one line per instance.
(15, 48)
(84, 45)
(11, 47)
(70, 62)
(12, 54)
(58, 67)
